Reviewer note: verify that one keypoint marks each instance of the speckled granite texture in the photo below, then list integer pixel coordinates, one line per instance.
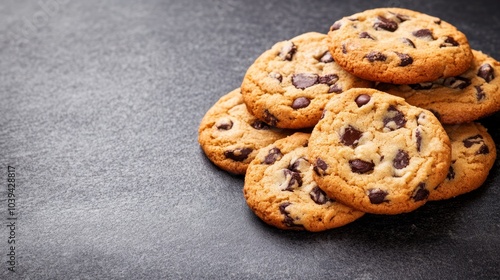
(100, 102)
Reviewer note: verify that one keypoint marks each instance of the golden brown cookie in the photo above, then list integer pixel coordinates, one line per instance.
(230, 136)
(399, 46)
(280, 190)
(289, 84)
(464, 98)
(378, 154)
(473, 155)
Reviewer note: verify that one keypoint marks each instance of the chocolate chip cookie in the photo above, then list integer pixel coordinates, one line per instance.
(280, 190)
(230, 136)
(464, 98)
(399, 46)
(288, 85)
(376, 153)
(473, 155)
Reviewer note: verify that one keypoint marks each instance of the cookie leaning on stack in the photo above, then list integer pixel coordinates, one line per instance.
(392, 96)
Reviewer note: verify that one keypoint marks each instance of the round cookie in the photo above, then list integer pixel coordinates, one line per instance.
(279, 188)
(230, 136)
(288, 85)
(464, 98)
(399, 46)
(472, 157)
(376, 153)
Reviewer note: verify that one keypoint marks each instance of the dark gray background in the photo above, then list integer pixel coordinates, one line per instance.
(100, 103)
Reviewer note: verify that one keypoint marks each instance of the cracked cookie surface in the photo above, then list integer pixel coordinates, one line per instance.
(279, 188)
(473, 155)
(378, 154)
(288, 85)
(399, 46)
(464, 98)
(230, 136)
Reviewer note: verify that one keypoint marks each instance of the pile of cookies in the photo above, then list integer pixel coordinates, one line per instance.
(377, 116)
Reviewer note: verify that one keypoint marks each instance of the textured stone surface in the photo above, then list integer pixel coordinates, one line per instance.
(100, 102)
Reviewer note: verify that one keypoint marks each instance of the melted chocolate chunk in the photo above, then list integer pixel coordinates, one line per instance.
(260, 125)
(335, 88)
(401, 160)
(456, 82)
(224, 124)
(299, 165)
(270, 118)
(418, 135)
(405, 59)
(351, 136)
(365, 35)
(427, 85)
(385, 24)
(423, 34)
(394, 119)
(320, 167)
(344, 49)
(376, 56)
(360, 166)
(319, 196)
(451, 173)
(362, 99)
(294, 180)
(480, 94)
(239, 154)
(287, 51)
(483, 150)
(408, 42)
(273, 155)
(326, 57)
(328, 79)
(288, 221)
(276, 76)
(449, 42)
(486, 72)
(420, 193)
(470, 141)
(304, 80)
(336, 26)
(401, 17)
(300, 102)
(377, 196)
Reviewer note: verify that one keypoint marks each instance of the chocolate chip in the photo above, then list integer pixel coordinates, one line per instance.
(344, 49)
(362, 99)
(326, 57)
(456, 82)
(483, 150)
(276, 76)
(486, 72)
(299, 165)
(437, 21)
(401, 17)
(470, 141)
(449, 42)
(360, 166)
(288, 221)
(287, 51)
(418, 135)
(335, 88)
(224, 124)
(336, 26)
(328, 79)
(365, 35)
(420, 193)
(293, 178)
(319, 196)
(408, 42)
(480, 94)
(273, 155)
(394, 119)
(351, 136)
(304, 80)
(385, 24)
(260, 125)
(405, 59)
(239, 154)
(377, 196)
(451, 173)
(423, 34)
(270, 118)
(320, 167)
(300, 102)
(376, 56)
(401, 160)
(420, 86)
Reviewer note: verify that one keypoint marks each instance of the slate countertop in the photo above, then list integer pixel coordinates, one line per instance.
(100, 103)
